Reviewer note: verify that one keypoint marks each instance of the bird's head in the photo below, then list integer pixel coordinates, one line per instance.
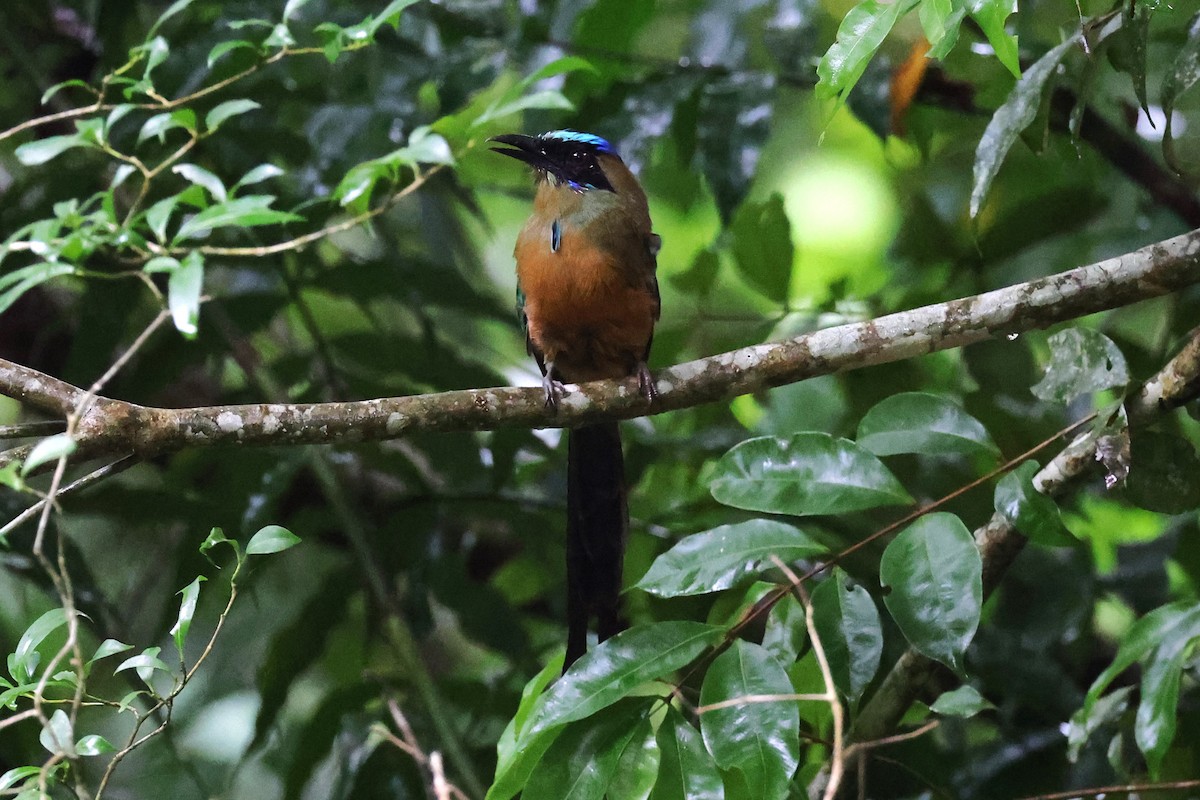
(568, 157)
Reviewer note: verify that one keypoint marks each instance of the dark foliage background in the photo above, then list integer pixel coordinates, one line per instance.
(713, 104)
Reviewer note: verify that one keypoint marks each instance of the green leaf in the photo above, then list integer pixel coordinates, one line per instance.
(848, 623)
(1010, 119)
(950, 27)
(515, 99)
(17, 774)
(1161, 640)
(965, 701)
(172, 10)
(57, 735)
(761, 740)
(686, 770)
(18, 282)
(637, 768)
(605, 674)
(1129, 47)
(424, 147)
(10, 476)
(118, 113)
(32, 154)
(546, 99)
(1081, 361)
(161, 264)
(934, 575)
(271, 539)
(1164, 472)
(517, 754)
(187, 610)
(262, 172)
(157, 126)
(698, 279)
(917, 422)
(990, 14)
(291, 7)
(183, 293)
(359, 181)
(155, 51)
(334, 38)
(804, 475)
(49, 449)
(247, 24)
(202, 177)
(1086, 721)
(93, 745)
(109, 647)
(1177, 622)
(936, 22)
(9, 697)
(389, 16)
(762, 246)
(221, 48)
(1154, 724)
(24, 660)
(74, 82)
(861, 32)
(215, 537)
(1032, 513)
(92, 129)
(146, 663)
(583, 760)
(226, 110)
(720, 558)
(786, 630)
(1178, 80)
(159, 215)
(243, 212)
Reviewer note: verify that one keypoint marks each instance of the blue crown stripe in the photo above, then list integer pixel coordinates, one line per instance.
(599, 142)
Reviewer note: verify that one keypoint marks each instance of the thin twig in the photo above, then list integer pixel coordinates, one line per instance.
(163, 104)
(123, 359)
(95, 476)
(18, 717)
(853, 749)
(26, 430)
(314, 236)
(407, 742)
(837, 763)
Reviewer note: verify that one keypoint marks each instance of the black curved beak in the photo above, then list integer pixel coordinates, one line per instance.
(523, 148)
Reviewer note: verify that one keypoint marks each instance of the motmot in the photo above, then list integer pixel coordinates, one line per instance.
(587, 293)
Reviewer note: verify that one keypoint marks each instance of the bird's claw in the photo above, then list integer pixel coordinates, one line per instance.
(553, 389)
(646, 382)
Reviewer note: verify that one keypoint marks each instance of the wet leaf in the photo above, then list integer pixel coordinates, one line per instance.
(720, 558)
(805, 474)
(934, 574)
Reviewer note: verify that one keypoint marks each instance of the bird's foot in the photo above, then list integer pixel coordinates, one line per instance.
(554, 390)
(646, 382)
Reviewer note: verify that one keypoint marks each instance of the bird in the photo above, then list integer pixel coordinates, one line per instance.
(587, 295)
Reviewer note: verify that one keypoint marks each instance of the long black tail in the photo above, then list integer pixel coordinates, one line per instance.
(597, 523)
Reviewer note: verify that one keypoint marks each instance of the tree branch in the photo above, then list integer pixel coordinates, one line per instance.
(112, 427)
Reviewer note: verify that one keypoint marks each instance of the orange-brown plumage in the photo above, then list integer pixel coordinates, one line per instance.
(590, 305)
